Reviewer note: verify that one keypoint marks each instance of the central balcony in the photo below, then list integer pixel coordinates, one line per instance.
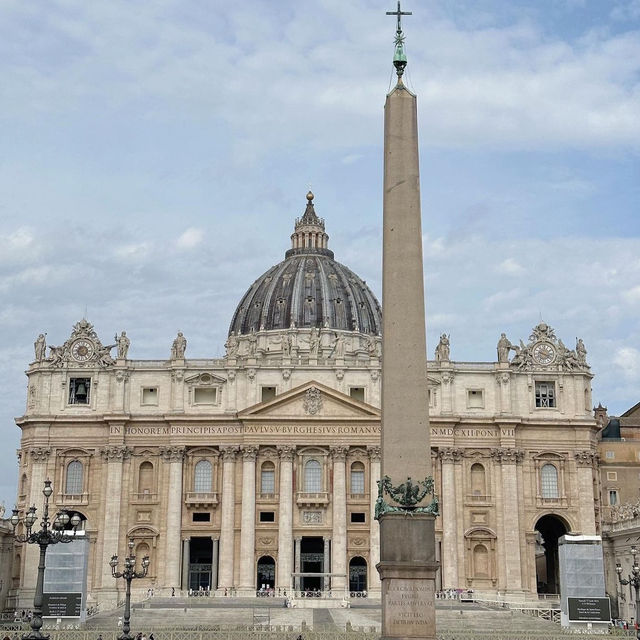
(196, 499)
(305, 498)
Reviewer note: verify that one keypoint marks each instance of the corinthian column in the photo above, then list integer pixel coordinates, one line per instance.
(174, 456)
(449, 560)
(38, 473)
(508, 458)
(339, 511)
(227, 529)
(285, 518)
(113, 458)
(248, 528)
(374, 527)
(585, 461)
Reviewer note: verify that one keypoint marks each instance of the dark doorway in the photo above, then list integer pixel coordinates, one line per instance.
(200, 559)
(312, 561)
(266, 573)
(357, 575)
(549, 529)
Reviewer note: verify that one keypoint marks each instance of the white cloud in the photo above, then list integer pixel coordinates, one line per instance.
(510, 267)
(632, 295)
(191, 238)
(133, 251)
(628, 360)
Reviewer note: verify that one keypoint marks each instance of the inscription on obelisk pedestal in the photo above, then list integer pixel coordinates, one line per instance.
(409, 607)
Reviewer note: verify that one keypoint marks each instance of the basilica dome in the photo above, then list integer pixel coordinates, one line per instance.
(308, 289)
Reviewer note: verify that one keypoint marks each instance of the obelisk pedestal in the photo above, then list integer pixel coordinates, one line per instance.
(407, 564)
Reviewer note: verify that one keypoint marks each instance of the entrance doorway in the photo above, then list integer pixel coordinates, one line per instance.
(357, 575)
(549, 528)
(200, 559)
(312, 561)
(266, 573)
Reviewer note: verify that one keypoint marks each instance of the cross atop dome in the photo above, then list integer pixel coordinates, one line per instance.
(399, 57)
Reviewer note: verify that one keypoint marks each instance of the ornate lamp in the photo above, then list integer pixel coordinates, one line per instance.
(49, 533)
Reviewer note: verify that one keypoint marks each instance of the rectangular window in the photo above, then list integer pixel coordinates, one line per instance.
(357, 517)
(612, 475)
(431, 398)
(268, 481)
(204, 395)
(150, 395)
(268, 393)
(613, 497)
(545, 394)
(475, 399)
(267, 516)
(357, 481)
(610, 455)
(201, 517)
(79, 390)
(357, 393)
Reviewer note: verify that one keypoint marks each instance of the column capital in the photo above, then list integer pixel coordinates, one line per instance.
(450, 454)
(339, 453)
(249, 452)
(39, 454)
(507, 455)
(286, 452)
(229, 452)
(172, 454)
(374, 452)
(115, 453)
(585, 458)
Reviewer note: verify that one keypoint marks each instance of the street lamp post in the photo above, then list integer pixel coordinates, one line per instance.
(129, 573)
(49, 533)
(634, 580)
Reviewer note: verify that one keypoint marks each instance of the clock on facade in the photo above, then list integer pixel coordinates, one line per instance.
(544, 353)
(82, 350)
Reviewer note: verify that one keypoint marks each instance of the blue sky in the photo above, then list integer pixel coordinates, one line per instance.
(156, 154)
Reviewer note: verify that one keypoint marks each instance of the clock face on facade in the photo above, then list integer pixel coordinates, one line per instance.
(544, 353)
(82, 350)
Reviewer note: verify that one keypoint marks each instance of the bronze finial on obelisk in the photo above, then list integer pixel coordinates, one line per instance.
(406, 505)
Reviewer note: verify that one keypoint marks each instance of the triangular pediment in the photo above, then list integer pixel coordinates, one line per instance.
(311, 400)
(634, 412)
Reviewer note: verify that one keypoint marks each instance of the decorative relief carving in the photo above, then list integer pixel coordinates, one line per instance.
(507, 455)
(447, 377)
(32, 396)
(39, 454)
(172, 454)
(19, 456)
(286, 452)
(358, 542)
(339, 453)
(229, 452)
(375, 374)
(115, 453)
(450, 454)
(251, 374)
(122, 376)
(312, 403)
(249, 452)
(585, 458)
(177, 375)
(231, 376)
(266, 542)
(286, 374)
(339, 374)
(375, 453)
(503, 378)
(312, 517)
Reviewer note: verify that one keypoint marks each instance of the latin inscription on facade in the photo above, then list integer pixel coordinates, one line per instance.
(410, 608)
(203, 430)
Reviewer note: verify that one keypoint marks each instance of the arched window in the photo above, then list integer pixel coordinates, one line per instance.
(23, 484)
(549, 481)
(357, 478)
(73, 482)
(145, 478)
(268, 477)
(480, 561)
(202, 477)
(313, 476)
(478, 480)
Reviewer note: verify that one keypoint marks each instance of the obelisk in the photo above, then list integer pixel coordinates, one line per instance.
(405, 506)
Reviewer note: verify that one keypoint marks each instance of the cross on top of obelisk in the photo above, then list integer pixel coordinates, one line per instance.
(399, 57)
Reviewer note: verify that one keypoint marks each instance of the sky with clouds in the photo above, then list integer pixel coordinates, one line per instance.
(156, 154)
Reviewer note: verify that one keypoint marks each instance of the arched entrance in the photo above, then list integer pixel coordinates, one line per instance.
(549, 528)
(357, 575)
(266, 573)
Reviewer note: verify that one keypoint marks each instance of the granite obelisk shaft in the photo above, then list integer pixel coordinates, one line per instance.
(407, 542)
